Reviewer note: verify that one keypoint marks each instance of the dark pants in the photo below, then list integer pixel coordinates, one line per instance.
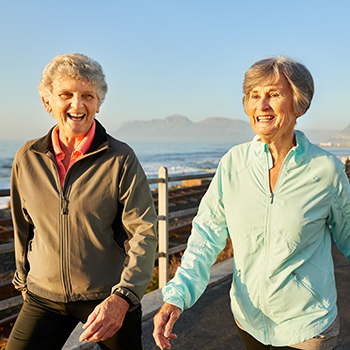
(46, 325)
(250, 343)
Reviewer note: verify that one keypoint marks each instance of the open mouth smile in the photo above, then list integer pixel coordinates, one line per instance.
(265, 118)
(76, 116)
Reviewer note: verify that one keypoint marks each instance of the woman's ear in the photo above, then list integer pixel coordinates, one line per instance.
(46, 103)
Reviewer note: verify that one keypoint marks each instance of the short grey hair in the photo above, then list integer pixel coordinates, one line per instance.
(76, 66)
(268, 70)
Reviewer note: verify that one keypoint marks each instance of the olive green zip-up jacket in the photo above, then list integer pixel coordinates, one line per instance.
(93, 237)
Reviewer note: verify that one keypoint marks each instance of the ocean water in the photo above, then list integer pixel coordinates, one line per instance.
(179, 158)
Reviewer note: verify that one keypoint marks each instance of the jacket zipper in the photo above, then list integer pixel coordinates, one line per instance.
(64, 238)
(267, 253)
(65, 231)
(268, 239)
(63, 235)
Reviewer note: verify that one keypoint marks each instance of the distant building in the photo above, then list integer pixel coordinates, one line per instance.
(326, 144)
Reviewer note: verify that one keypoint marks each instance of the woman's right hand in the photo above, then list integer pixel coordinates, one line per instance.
(164, 322)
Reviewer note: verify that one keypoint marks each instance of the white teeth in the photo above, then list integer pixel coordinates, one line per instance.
(265, 118)
(76, 115)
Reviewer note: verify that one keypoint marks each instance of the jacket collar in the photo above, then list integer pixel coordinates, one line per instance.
(44, 144)
(296, 155)
(302, 147)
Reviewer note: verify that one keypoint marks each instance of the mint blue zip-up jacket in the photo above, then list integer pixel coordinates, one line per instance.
(283, 289)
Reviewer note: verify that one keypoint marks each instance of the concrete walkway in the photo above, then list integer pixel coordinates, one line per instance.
(209, 324)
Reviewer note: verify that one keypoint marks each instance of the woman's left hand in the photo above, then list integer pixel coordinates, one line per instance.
(164, 322)
(105, 320)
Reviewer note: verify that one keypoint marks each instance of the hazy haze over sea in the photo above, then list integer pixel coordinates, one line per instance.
(179, 158)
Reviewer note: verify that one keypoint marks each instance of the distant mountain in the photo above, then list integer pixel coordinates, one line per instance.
(177, 128)
(317, 136)
(341, 138)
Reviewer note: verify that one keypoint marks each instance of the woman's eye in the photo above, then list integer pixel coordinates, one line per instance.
(274, 94)
(255, 96)
(65, 96)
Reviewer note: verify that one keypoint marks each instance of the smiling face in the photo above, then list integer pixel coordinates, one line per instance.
(271, 112)
(74, 104)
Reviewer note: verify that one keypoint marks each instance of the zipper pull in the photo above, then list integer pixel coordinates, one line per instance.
(65, 203)
(271, 196)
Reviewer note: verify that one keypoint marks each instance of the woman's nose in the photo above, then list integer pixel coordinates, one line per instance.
(76, 101)
(263, 103)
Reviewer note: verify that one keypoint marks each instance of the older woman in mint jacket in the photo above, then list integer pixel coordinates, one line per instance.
(277, 198)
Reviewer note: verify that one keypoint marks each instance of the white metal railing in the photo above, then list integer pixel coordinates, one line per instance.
(164, 252)
(163, 220)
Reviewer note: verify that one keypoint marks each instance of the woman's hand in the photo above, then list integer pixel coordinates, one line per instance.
(105, 320)
(164, 322)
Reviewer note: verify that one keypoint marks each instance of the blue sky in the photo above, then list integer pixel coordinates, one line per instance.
(165, 57)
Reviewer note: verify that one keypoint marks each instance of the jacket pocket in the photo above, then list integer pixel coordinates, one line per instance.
(317, 296)
(243, 307)
(294, 297)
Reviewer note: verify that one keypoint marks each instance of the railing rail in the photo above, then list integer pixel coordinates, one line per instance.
(5, 193)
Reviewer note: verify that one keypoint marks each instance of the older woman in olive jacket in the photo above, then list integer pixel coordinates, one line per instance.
(84, 221)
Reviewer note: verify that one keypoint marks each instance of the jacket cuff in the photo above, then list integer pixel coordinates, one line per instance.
(18, 283)
(171, 296)
(127, 295)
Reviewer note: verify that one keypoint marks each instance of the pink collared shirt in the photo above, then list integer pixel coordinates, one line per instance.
(82, 148)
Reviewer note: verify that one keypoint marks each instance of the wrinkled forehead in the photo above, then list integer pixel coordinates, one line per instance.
(62, 74)
(63, 79)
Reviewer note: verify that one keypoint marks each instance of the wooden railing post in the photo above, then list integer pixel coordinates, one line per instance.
(163, 228)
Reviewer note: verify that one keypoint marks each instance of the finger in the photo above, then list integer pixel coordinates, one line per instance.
(101, 329)
(96, 337)
(164, 321)
(101, 334)
(107, 333)
(162, 342)
(91, 319)
(159, 324)
(169, 325)
(90, 330)
(86, 335)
